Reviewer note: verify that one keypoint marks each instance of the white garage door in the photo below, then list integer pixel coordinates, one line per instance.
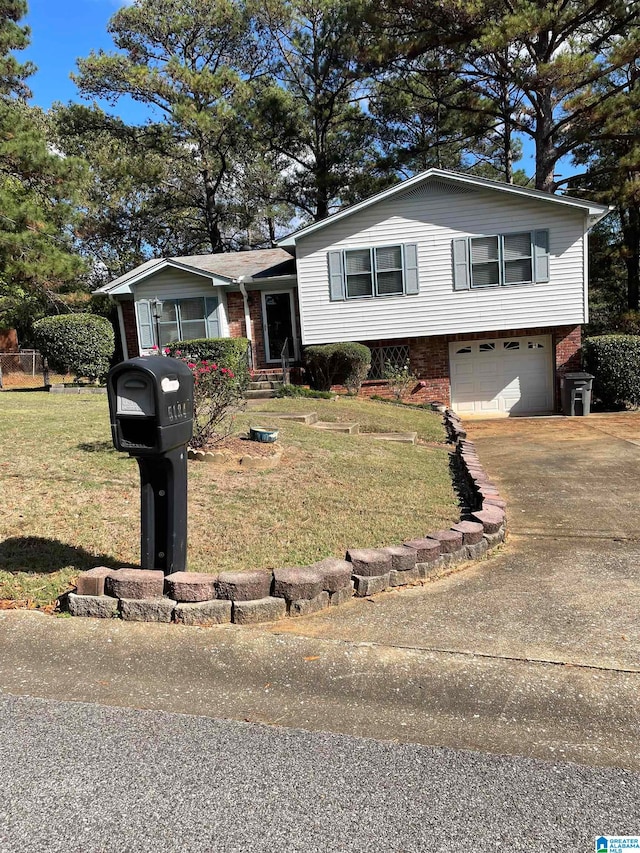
(502, 376)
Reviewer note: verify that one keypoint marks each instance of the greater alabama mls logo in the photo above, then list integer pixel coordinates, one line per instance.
(617, 843)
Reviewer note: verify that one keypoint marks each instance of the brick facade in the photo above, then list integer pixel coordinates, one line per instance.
(130, 330)
(429, 358)
(237, 325)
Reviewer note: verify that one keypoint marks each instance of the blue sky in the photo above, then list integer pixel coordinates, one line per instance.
(62, 31)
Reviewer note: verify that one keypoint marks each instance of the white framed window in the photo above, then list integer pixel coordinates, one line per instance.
(179, 320)
(376, 271)
(501, 260)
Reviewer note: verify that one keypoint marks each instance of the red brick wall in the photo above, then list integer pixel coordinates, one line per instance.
(130, 331)
(430, 359)
(567, 341)
(237, 326)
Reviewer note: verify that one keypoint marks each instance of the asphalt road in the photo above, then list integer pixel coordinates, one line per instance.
(81, 777)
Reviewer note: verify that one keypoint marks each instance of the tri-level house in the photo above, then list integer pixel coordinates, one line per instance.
(481, 286)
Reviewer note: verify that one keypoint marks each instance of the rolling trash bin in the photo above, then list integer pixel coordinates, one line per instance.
(575, 393)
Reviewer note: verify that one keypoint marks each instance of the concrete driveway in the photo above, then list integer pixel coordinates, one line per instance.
(533, 652)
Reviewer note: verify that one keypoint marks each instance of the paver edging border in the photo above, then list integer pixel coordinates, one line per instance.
(261, 596)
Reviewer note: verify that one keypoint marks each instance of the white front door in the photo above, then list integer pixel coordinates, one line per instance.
(502, 376)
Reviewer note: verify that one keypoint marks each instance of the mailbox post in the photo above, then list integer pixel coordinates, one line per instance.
(151, 409)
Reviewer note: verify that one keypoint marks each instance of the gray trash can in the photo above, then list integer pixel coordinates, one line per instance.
(575, 393)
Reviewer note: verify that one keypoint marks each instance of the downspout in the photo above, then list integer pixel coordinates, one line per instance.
(240, 281)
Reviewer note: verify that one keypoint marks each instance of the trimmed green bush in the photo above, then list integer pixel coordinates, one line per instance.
(301, 391)
(344, 363)
(225, 352)
(614, 360)
(81, 344)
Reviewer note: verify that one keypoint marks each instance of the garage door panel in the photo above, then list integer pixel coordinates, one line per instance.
(505, 376)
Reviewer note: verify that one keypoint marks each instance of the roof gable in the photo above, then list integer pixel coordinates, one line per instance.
(227, 267)
(453, 182)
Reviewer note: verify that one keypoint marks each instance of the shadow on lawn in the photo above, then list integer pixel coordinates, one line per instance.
(97, 447)
(37, 555)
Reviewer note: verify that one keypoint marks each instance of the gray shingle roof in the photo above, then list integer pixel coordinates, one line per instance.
(256, 263)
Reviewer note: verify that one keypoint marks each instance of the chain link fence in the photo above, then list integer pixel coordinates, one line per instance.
(24, 369)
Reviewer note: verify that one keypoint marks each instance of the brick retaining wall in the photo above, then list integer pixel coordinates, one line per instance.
(193, 598)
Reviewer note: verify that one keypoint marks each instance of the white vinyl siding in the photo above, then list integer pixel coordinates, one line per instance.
(434, 220)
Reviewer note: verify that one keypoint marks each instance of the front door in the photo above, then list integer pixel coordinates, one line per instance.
(279, 323)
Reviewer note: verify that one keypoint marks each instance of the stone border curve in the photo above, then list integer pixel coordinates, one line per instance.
(192, 598)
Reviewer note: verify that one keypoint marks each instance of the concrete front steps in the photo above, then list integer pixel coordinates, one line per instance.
(262, 389)
(336, 426)
(402, 437)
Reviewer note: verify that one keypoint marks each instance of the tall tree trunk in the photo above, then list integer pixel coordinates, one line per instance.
(322, 178)
(546, 157)
(631, 234)
(505, 108)
(210, 212)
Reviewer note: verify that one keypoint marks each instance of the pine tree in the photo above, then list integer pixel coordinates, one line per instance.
(531, 61)
(313, 118)
(37, 188)
(199, 66)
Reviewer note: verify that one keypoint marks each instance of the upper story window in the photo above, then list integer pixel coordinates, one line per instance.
(179, 320)
(501, 260)
(376, 271)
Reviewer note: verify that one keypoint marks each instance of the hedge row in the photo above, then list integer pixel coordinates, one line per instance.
(81, 344)
(337, 364)
(614, 361)
(228, 352)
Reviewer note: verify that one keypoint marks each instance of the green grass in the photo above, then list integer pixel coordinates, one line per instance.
(71, 502)
(372, 415)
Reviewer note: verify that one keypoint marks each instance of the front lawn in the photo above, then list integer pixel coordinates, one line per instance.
(70, 501)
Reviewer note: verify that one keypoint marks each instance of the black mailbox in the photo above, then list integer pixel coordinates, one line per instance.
(151, 407)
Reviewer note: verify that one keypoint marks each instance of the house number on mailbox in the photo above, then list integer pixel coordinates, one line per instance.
(177, 411)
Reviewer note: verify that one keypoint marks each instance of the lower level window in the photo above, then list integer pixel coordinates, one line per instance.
(395, 356)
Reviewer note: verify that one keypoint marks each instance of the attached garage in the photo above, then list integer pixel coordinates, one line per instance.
(502, 376)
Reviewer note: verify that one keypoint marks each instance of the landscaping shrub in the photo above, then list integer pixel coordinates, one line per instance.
(81, 344)
(225, 352)
(614, 360)
(399, 378)
(337, 364)
(217, 393)
(301, 391)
